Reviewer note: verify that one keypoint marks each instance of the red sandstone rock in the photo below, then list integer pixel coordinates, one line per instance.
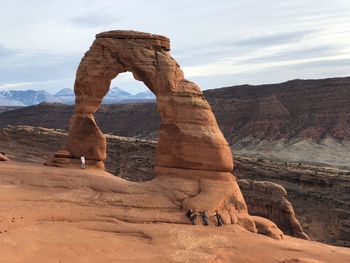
(93, 216)
(267, 227)
(269, 200)
(3, 158)
(301, 260)
(63, 154)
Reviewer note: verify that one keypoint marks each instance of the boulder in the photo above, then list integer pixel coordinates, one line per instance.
(3, 157)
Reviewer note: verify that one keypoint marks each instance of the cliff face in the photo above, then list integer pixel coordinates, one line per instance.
(313, 109)
(132, 119)
(320, 196)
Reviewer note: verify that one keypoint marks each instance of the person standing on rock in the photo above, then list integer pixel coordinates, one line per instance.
(192, 216)
(218, 219)
(205, 217)
(82, 160)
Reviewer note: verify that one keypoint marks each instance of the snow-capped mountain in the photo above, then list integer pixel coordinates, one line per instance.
(146, 95)
(26, 97)
(115, 95)
(118, 93)
(8, 102)
(65, 92)
(67, 96)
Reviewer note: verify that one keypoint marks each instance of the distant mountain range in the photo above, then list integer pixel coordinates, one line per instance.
(66, 96)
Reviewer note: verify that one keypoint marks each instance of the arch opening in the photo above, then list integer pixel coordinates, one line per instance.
(132, 157)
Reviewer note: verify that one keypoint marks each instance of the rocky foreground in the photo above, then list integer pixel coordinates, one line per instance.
(320, 196)
(50, 214)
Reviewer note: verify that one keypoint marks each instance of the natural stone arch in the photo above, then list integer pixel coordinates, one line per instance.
(193, 161)
(189, 137)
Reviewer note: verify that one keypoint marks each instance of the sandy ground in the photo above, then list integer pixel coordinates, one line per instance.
(50, 214)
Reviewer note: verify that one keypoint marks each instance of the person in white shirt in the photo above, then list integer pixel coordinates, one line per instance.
(82, 160)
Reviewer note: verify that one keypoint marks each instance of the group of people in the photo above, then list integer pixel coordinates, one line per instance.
(192, 215)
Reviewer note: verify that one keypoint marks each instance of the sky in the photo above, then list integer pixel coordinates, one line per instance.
(217, 43)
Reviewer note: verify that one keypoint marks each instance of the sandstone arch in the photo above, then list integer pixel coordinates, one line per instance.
(189, 137)
(193, 161)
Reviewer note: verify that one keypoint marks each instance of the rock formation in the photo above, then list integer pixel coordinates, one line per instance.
(192, 154)
(3, 158)
(269, 200)
(319, 196)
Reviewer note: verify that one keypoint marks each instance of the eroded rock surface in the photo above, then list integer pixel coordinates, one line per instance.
(320, 196)
(50, 214)
(269, 200)
(3, 158)
(190, 144)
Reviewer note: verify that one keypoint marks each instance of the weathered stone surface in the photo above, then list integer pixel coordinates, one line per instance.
(319, 197)
(269, 200)
(267, 227)
(301, 260)
(63, 154)
(50, 214)
(3, 158)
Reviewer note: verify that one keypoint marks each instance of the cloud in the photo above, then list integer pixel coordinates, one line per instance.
(6, 52)
(36, 69)
(298, 53)
(227, 67)
(93, 20)
(274, 39)
(215, 51)
(15, 85)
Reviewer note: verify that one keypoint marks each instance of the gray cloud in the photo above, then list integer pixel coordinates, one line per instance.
(41, 69)
(6, 52)
(298, 53)
(320, 69)
(217, 50)
(93, 20)
(274, 39)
